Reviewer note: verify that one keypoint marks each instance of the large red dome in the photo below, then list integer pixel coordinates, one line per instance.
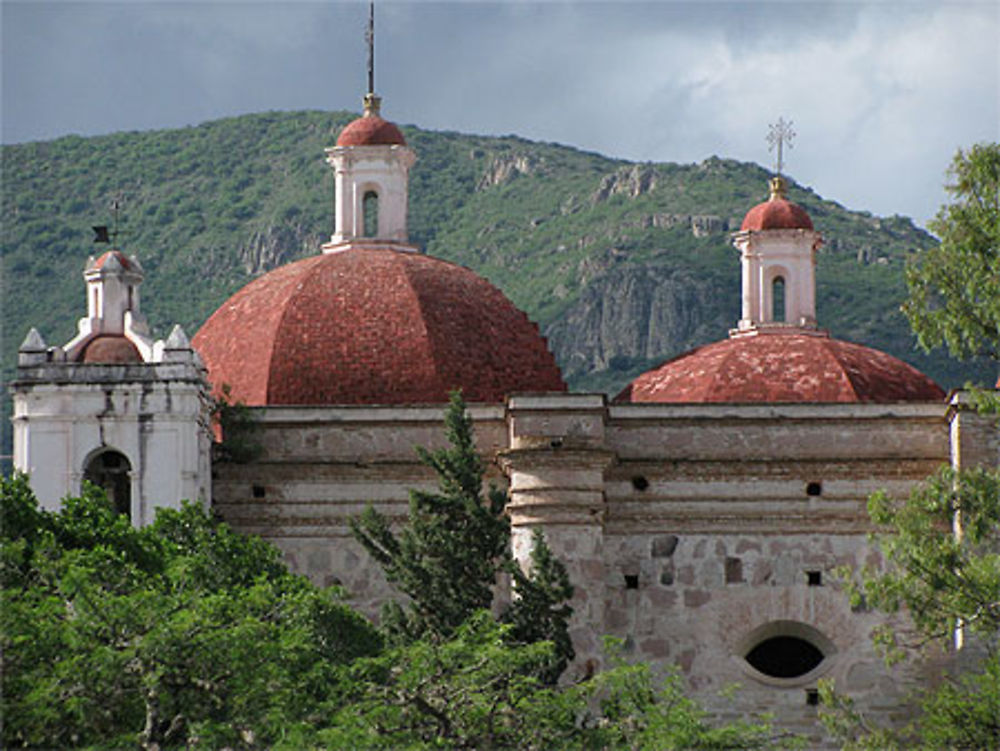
(370, 326)
(782, 368)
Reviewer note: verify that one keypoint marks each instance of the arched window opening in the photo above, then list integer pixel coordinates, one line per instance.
(785, 657)
(112, 472)
(97, 306)
(130, 303)
(778, 299)
(369, 209)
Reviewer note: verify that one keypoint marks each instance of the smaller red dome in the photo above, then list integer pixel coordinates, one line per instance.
(371, 130)
(782, 368)
(776, 213)
(110, 349)
(117, 254)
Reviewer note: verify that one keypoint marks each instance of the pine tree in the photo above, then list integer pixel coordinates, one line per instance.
(540, 611)
(447, 557)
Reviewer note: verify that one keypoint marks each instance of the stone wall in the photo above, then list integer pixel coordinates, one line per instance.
(692, 532)
(321, 466)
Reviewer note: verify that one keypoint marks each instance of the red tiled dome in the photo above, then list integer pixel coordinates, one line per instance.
(370, 326)
(782, 368)
(111, 349)
(371, 130)
(776, 213)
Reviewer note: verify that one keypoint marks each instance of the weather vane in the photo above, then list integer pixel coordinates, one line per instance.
(101, 232)
(779, 136)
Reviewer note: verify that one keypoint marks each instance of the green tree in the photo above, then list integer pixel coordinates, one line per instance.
(954, 288)
(942, 544)
(540, 611)
(942, 551)
(456, 542)
(478, 690)
(184, 634)
(447, 557)
(942, 577)
(179, 633)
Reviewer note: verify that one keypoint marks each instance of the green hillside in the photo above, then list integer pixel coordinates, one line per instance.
(621, 264)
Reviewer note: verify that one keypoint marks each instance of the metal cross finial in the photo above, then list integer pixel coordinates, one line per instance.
(370, 41)
(779, 136)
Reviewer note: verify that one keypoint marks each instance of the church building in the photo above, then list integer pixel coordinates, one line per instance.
(701, 513)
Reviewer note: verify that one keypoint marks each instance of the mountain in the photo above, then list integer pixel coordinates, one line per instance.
(622, 264)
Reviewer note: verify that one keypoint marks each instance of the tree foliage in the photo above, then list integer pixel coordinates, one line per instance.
(942, 544)
(180, 633)
(541, 610)
(954, 289)
(446, 558)
(478, 691)
(186, 635)
(942, 551)
(939, 575)
(963, 714)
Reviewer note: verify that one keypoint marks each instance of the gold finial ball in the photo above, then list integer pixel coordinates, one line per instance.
(779, 187)
(373, 104)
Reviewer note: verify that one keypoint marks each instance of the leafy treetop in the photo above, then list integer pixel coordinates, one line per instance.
(955, 287)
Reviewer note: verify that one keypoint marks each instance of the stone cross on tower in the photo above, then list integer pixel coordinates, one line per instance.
(780, 135)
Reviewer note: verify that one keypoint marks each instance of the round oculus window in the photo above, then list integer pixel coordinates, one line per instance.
(785, 657)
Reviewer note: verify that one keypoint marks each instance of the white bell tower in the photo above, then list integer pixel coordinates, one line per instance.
(371, 164)
(777, 245)
(113, 407)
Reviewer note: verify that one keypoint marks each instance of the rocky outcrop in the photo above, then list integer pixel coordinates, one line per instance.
(273, 246)
(702, 226)
(630, 181)
(506, 167)
(639, 313)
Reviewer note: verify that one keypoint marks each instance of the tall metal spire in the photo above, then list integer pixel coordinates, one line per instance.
(370, 39)
(372, 102)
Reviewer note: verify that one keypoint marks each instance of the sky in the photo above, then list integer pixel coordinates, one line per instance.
(880, 94)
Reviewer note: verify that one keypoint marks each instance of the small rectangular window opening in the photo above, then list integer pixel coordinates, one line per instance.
(258, 491)
(734, 570)
(814, 578)
(812, 697)
(631, 581)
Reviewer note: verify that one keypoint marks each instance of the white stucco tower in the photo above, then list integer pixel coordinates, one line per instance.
(371, 163)
(777, 245)
(112, 406)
